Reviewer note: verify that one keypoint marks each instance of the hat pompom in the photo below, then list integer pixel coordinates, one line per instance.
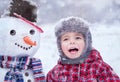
(23, 8)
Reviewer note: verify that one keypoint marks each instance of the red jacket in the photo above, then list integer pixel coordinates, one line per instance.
(93, 69)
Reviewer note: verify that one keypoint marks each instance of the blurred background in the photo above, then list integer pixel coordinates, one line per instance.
(49, 11)
(103, 15)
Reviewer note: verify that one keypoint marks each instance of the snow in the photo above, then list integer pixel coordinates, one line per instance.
(106, 39)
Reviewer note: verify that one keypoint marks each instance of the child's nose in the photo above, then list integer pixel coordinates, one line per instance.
(72, 41)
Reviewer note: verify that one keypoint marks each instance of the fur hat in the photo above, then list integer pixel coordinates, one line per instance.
(74, 24)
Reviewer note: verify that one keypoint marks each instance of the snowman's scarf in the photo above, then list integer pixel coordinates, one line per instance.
(17, 64)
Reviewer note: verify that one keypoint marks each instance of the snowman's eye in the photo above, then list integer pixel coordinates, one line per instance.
(12, 32)
(32, 32)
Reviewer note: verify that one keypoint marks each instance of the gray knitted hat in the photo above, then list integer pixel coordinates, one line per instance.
(74, 24)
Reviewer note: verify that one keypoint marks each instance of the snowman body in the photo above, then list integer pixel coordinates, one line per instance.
(18, 38)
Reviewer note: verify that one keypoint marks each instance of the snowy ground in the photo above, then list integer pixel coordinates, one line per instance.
(106, 38)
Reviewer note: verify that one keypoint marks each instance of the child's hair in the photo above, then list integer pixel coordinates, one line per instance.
(74, 24)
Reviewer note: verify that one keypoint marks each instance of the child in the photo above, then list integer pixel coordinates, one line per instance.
(79, 62)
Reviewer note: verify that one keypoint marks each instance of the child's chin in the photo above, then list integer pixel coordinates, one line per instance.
(73, 56)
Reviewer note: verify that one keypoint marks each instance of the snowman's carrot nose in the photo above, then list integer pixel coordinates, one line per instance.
(28, 41)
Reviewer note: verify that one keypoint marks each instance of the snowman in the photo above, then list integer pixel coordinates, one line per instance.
(19, 41)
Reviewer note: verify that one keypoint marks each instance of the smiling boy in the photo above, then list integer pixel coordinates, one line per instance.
(72, 44)
(78, 62)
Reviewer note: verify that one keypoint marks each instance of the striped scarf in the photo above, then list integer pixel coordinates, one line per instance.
(17, 64)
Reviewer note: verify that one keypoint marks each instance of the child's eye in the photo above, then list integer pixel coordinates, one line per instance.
(65, 39)
(78, 37)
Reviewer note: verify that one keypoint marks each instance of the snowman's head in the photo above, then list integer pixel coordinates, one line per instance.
(18, 38)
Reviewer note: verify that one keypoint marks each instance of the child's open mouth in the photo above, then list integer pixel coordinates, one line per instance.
(73, 50)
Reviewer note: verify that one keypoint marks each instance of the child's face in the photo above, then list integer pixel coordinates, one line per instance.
(72, 44)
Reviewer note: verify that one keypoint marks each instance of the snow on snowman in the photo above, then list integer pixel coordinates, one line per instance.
(19, 41)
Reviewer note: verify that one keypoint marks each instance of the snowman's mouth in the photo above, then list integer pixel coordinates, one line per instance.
(24, 48)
